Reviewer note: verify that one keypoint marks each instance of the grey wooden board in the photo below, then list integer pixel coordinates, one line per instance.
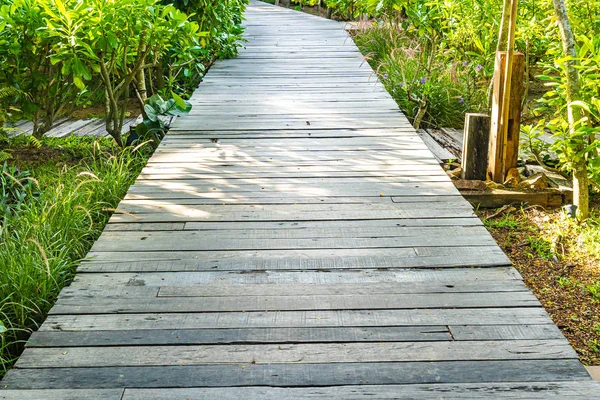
(174, 336)
(294, 218)
(179, 226)
(587, 390)
(191, 241)
(293, 319)
(250, 200)
(121, 278)
(317, 259)
(303, 260)
(77, 289)
(63, 394)
(103, 305)
(555, 390)
(500, 332)
(242, 336)
(306, 353)
(298, 375)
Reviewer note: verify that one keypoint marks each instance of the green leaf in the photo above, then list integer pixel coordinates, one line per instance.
(179, 102)
(150, 112)
(78, 82)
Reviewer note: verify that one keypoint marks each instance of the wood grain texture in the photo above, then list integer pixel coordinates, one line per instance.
(294, 238)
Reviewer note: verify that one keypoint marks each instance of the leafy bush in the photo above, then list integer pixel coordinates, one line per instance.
(45, 88)
(62, 54)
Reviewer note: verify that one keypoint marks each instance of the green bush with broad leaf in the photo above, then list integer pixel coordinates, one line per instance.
(156, 113)
(64, 54)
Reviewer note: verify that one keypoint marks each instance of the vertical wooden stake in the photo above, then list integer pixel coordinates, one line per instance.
(506, 147)
(507, 84)
(475, 147)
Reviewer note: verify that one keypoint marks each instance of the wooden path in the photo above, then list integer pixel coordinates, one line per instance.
(294, 238)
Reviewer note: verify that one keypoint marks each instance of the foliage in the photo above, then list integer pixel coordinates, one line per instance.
(62, 54)
(89, 41)
(221, 19)
(15, 187)
(431, 87)
(25, 56)
(583, 144)
(156, 111)
(42, 243)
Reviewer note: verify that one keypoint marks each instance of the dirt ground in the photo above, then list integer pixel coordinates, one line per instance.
(560, 262)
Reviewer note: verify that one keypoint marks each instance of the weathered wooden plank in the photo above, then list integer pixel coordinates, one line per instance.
(403, 234)
(290, 375)
(239, 336)
(79, 290)
(502, 332)
(107, 305)
(313, 353)
(293, 319)
(121, 276)
(303, 260)
(135, 337)
(201, 241)
(63, 394)
(342, 289)
(583, 390)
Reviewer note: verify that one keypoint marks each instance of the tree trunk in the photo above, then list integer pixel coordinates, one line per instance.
(160, 76)
(574, 114)
(142, 92)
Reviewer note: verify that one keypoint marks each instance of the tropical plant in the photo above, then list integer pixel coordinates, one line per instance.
(25, 56)
(157, 111)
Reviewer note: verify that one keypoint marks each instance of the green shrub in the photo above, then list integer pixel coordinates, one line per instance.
(430, 87)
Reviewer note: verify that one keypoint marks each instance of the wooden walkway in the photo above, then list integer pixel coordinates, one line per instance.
(294, 238)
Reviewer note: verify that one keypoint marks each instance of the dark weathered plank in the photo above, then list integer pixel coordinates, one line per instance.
(312, 353)
(290, 375)
(64, 394)
(240, 336)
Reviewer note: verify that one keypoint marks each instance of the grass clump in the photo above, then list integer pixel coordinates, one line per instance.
(430, 85)
(77, 182)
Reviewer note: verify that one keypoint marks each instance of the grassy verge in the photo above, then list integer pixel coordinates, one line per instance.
(560, 261)
(74, 184)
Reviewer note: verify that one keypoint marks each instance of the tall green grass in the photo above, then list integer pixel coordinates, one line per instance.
(406, 63)
(41, 245)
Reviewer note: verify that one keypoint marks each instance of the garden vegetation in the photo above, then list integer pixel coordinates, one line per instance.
(61, 56)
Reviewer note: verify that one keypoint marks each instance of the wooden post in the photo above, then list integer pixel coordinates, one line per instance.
(475, 147)
(504, 148)
(502, 134)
